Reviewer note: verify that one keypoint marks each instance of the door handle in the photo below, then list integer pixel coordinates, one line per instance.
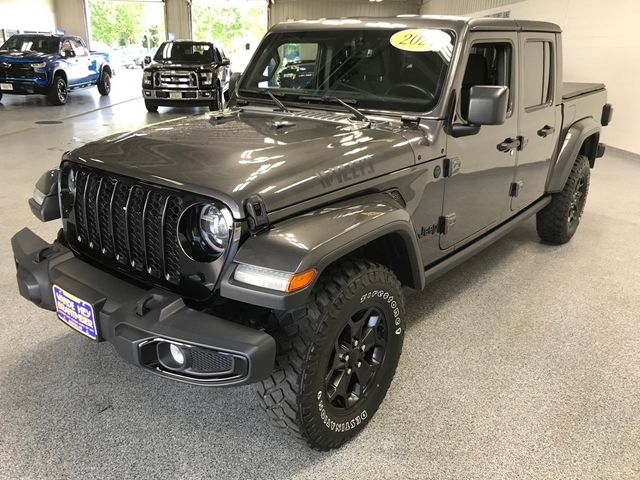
(545, 131)
(509, 144)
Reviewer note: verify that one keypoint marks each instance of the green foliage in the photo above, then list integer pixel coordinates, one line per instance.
(229, 26)
(115, 22)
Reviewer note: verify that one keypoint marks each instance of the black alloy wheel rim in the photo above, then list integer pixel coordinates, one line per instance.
(577, 201)
(62, 90)
(107, 83)
(357, 356)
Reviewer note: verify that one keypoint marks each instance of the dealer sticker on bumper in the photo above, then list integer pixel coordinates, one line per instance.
(6, 86)
(75, 312)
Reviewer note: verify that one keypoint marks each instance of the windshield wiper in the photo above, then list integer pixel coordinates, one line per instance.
(281, 106)
(361, 117)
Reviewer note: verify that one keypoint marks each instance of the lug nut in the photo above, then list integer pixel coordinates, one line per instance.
(345, 357)
(348, 371)
(355, 343)
(359, 364)
(363, 347)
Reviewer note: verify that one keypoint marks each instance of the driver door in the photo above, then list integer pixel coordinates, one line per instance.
(74, 75)
(477, 175)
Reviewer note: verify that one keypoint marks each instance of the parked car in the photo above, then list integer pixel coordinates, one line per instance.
(186, 73)
(51, 65)
(271, 242)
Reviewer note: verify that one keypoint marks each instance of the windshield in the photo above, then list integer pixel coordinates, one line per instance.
(185, 52)
(40, 44)
(401, 70)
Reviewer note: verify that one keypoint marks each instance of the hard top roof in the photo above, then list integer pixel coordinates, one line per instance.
(457, 24)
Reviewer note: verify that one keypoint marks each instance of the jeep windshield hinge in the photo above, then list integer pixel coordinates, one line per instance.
(257, 213)
(445, 223)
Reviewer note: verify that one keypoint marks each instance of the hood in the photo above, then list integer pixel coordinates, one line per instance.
(10, 56)
(285, 158)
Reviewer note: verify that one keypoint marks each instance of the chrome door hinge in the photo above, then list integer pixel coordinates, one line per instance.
(445, 223)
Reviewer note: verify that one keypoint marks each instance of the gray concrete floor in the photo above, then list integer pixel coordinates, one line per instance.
(524, 362)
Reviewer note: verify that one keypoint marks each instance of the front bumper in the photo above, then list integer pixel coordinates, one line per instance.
(135, 320)
(23, 86)
(194, 97)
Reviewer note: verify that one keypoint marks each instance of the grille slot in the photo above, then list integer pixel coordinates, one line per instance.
(131, 224)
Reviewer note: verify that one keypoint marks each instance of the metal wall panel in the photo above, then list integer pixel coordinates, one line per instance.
(461, 7)
(71, 16)
(288, 10)
(178, 18)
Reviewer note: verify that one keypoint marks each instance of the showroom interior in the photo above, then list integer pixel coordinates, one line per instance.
(523, 361)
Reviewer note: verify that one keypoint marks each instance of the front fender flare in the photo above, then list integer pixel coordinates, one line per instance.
(571, 144)
(316, 240)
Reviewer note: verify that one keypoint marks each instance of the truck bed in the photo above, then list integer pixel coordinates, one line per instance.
(575, 89)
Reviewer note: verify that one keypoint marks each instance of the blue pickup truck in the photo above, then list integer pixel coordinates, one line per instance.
(51, 65)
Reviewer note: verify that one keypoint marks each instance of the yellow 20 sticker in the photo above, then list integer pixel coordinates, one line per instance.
(420, 40)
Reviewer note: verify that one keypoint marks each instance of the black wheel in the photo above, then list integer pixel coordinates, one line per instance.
(559, 220)
(337, 355)
(58, 92)
(151, 108)
(104, 84)
(0, 96)
(218, 104)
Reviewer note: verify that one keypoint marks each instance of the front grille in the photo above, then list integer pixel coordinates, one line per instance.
(175, 79)
(16, 70)
(133, 225)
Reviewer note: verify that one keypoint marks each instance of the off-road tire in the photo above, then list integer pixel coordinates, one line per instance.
(295, 396)
(218, 103)
(558, 221)
(104, 84)
(58, 92)
(151, 108)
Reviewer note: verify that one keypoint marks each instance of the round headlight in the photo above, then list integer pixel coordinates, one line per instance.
(214, 227)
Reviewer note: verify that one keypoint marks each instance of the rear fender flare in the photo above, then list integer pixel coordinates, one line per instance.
(319, 238)
(569, 150)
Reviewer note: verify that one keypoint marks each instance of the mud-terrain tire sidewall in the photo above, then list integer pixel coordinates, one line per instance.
(104, 84)
(53, 96)
(327, 427)
(151, 108)
(552, 221)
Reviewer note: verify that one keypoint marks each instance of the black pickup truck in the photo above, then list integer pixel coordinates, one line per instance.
(186, 73)
(271, 242)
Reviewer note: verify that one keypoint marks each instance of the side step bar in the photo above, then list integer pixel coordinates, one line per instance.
(460, 256)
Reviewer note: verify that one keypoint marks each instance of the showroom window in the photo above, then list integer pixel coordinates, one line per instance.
(537, 73)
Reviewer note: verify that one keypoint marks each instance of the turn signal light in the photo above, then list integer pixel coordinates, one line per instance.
(301, 280)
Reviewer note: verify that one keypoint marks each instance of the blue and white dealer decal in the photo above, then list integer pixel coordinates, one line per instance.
(75, 312)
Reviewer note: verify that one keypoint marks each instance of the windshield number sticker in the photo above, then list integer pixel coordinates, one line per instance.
(419, 40)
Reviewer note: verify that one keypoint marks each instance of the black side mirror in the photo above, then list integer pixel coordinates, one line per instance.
(225, 62)
(147, 60)
(68, 54)
(488, 105)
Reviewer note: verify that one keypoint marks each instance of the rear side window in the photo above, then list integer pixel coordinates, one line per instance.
(537, 73)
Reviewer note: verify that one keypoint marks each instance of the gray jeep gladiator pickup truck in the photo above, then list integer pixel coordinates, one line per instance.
(271, 242)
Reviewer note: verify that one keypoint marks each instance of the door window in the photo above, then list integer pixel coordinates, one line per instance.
(488, 64)
(538, 75)
(78, 48)
(66, 47)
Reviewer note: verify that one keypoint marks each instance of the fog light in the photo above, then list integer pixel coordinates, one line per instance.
(176, 354)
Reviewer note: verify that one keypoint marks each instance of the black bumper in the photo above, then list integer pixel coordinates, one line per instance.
(135, 320)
